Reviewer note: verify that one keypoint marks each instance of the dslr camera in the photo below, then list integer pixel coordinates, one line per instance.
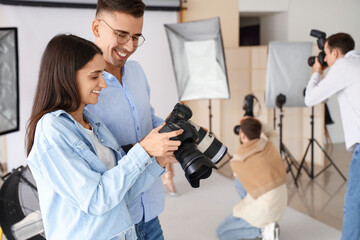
(199, 150)
(321, 38)
(248, 108)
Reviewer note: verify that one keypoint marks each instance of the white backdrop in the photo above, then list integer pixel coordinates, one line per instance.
(287, 72)
(37, 25)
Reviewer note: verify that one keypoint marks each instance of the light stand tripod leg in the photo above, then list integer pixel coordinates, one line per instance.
(331, 162)
(311, 144)
(284, 152)
(293, 161)
(1, 168)
(285, 155)
(210, 117)
(302, 163)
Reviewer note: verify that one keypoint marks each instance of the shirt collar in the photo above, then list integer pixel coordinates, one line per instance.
(108, 76)
(93, 120)
(250, 148)
(352, 53)
(89, 116)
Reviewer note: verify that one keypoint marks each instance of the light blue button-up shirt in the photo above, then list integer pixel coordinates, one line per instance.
(126, 111)
(80, 198)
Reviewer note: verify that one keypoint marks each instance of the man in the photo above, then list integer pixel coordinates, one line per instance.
(343, 79)
(260, 180)
(125, 105)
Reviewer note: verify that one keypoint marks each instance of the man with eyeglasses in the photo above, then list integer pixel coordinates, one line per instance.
(124, 106)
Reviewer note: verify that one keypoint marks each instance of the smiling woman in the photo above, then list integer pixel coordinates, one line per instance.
(90, 80)
(83, 176)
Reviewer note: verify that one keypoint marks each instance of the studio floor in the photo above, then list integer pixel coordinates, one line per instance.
(314, 211)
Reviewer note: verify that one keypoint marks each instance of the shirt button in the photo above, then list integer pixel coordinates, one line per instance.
(102, 140)
(146, 164)
(118, 149)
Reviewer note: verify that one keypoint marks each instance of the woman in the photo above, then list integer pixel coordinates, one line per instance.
(84, 178)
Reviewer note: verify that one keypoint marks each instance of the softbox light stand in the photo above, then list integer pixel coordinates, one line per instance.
(210, 117)
(287, 73)
(310, 146)
(284, 151)
(1, 168)
(198, 58)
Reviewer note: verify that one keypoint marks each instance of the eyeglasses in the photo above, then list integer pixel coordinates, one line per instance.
(124, 37)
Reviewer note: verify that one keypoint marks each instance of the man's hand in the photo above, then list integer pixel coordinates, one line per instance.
(163, 161)
(317, 67)
(159, 144)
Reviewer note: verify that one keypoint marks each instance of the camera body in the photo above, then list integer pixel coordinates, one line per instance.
(199, 150)
(249, 105)
(280, 100)
(321, 38)
(248, 108)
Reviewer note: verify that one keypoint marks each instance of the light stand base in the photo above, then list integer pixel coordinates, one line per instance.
(310, 172)
(285, 153)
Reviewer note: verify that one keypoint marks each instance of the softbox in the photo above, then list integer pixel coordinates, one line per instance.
(287, 72)
(9, 83)
(198, 59)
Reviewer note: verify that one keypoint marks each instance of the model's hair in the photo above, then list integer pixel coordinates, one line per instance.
(56, 88)
(251, 127)
(342, 41)
(135, 8)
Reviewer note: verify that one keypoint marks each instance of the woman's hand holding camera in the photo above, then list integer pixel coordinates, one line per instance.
(159, 144)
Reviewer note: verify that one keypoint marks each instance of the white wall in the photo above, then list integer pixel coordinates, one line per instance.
(263, 5)
(272, 27)
(36, 26)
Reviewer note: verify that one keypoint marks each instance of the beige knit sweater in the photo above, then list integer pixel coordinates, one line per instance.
(261, 170)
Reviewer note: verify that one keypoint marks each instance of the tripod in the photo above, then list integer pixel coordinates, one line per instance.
(310, 172)
(285, 153)
(1, 168)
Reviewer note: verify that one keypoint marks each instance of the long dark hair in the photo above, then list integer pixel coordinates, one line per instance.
(56, 88)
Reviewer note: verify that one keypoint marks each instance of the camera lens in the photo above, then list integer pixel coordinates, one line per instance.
(209, 145)
(194, 163)
(311, 61)
(199, 150)
(237, 129)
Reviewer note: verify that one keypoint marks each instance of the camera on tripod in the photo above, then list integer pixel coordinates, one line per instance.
(248, 108)
(280, 100)
(321, 38)
(199, 150)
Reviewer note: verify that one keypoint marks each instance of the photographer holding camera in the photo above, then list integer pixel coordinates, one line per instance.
(260, 180)
(343, 79)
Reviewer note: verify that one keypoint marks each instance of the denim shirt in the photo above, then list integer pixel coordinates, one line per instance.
(126, 110)
(80, 198)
